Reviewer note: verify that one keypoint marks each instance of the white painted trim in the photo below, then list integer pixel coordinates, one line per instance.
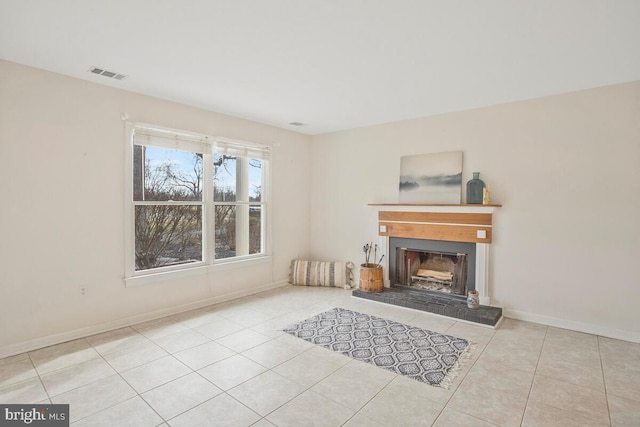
(573, 326)
(42, 342)
(482, 272)
(446, 209)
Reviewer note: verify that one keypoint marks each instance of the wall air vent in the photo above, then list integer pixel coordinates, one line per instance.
(106, 73)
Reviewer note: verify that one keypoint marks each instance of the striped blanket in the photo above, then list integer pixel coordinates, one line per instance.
(321, 273)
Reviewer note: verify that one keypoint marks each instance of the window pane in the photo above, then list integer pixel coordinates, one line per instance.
(224, 178)
(162, 174)
(255, 229)
(255, 180)
(167, 235)
(225, 231)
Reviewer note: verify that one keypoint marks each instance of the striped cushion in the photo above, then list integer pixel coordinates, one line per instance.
(321, 273)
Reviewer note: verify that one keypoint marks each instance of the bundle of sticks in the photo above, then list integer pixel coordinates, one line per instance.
(440, 275)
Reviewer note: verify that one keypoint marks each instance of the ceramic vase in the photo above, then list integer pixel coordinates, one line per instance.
(473, 299)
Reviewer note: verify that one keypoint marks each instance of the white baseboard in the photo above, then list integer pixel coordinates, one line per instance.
(47, 341)
(574, 326)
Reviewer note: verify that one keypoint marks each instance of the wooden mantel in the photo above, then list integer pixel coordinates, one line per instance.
(456, 223)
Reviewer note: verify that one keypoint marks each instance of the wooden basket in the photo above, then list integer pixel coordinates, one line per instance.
(371, 278)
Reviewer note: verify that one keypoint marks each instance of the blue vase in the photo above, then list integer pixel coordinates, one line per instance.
(475, 189)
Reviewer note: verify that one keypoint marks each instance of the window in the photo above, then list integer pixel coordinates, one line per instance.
(193, 201)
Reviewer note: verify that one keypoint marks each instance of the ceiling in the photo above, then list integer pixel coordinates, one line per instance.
(331, 64)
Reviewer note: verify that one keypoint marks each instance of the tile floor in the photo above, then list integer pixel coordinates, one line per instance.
(230, 365)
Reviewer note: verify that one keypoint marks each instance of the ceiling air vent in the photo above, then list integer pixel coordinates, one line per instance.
(106, 73)
(296, 124)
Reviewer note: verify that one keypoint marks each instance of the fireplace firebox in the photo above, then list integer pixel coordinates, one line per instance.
(432, 265)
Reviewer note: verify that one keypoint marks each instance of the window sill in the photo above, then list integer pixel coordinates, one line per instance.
(200, 270)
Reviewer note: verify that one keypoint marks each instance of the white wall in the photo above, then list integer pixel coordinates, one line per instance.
(62, 165)
(567, 170)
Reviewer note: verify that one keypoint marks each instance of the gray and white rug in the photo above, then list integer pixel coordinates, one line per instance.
(422, 355)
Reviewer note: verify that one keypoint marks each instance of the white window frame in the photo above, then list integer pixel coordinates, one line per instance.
(207, 145)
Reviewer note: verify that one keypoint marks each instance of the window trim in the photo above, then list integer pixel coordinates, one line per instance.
(209, 263)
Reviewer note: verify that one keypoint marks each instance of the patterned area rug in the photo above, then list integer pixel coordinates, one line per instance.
(423, 355)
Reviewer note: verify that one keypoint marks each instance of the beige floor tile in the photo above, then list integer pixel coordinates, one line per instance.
(204, 355)
(294, 343)
(13, 359)
(568, 346)
(622, 382)
(431, 323)
(310, 409)
(21, 369)
(194, 318)
(450, 417)
(63, 355)
(621, 365)
(155, 373)
(182, 340)
(218, 328)
(273, 328)
(620, 354)
(271, 354)
(498, 394)
(27, 391)
(392, 409)
(478, 334)
(96, 396)
(130, 413)
(263, 423)
(243, 340)
(180, 395)
(624, 412)
(539, 414)
(519, 332)
(134, 355)
(251, 317)
(521, 326)
(231, 371)
(225, 410)
(354, 384)
(586, 402)
(359, 420)
(565, 337)
(310, 367)
(404, 386)
(155, 329)
(513, 356)
(266, 392)
(116, 340)
(66, 379)
(582, 375)
(492, 387)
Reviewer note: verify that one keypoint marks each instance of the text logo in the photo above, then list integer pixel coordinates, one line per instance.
(34, 415)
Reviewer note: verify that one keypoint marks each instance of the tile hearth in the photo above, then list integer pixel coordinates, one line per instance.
(433, 302)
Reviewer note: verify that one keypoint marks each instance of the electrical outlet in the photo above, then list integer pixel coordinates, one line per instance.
(83, 290)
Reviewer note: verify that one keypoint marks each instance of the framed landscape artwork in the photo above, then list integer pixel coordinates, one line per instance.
(431, 178)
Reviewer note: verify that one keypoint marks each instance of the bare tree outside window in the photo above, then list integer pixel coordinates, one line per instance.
(167, 232)
(169, 206)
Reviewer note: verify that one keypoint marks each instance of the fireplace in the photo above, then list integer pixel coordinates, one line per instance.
(451, 245)
(432, 265)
